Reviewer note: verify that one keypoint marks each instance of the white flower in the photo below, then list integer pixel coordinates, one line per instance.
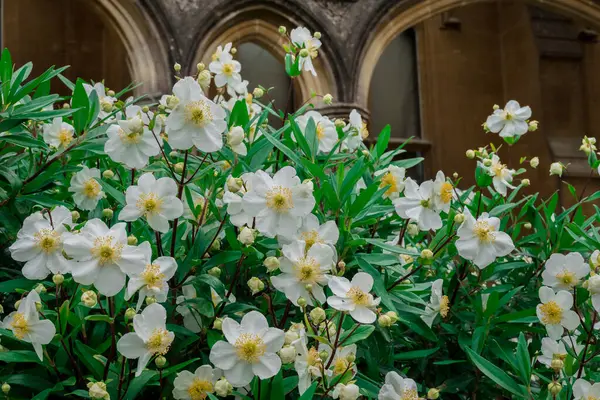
(595, 259)
(588, 145)
(235, 207)
(247, 236)
(593, 286)
(216, 299)
(105, 102)
(222, 51)
(25, 324)
(555, 311)
(552, 349)
(308, 364)
(393, 178)
(481, 241)
(103, 256)
(226, 70)
(251, 349)
(195, 386)
(338, 360)
(155, 200)
(398, 388)
(152, 281)
(502, 177)
(150, 336)
(354, 297)
(312, 232)
(557, 168)
(563, 272)
(189, 311)
(235, 140)
(97, 390)
(195, 120)
(443, 192)
(300, 268)
(345, 392)
(357, 132)
(278, 203)
(86, 189)
(58, 134)
(325, 130)
(510, 122)
(302, 38)
(438, 303)
(418, 205)
(583, 390)
(40, 244)
(130, 141)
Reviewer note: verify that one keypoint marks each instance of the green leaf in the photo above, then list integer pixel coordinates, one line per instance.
(239, 114)
(114, 193)
(351, 178)
(6, 70)
(496, 374)
(19, 356)
(411, 355)
(64, 316)
(81, 102)
(523, 360)
(482, 178)
(300, 139)
(284, 149)
(24, 140)
(11, 286)
(382, 141)
(311, 137)
(99, 317)
(361, 333)
(139, 382)
(309, 393)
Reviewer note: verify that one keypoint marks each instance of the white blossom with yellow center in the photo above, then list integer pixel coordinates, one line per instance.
(325, 130)
(313, 232)
(86, 189)
(443, 192)
(40, 244)
(102, 257)
(481, 240)
(106, 102)
(130, 141)
(154, 199)
(357, 132)
(308, 364)
(551, 350)
(58, 134)
(510, 121)
(197, 385)
(278, 204)
(393, 178)
(398, 388)
(502, 176)
(150, 336)
(195, 120)
(583, 390)
(555, 312)
(439, 304)
(250, 349)
(354, 297)
(302, 38)
(300, 268)
(563, 272)
(226, 70)
(418, 205)
(26, 325)
(152, 281)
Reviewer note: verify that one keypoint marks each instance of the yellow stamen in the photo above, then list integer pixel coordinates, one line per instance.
(340, 366)
(19, 325)
(91, 188)
(308, 270)
(358, 297)
(130, 138)
(149, 203)
(198, 113)
(310, 237)
(389, 180)
(568, 278)
(65, 136)
(228, 69)
(279, 199)
(444, 306)
(409, 394)
(106, 251)
(551, 313)
(152, 275)
(320, 131)
(250, 347)
(159, 341)
(48, 240)
(446, 192)
(199, 388)
(484, 231)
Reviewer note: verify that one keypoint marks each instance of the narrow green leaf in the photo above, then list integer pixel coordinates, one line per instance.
(495, 374)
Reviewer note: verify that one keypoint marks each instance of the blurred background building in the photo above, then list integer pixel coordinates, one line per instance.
(432, 69)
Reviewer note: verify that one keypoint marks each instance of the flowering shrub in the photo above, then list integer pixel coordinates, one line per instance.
(192, 250)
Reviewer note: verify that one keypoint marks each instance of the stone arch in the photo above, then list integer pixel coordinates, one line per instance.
(148, 60)
(408, 13)
(261, 27)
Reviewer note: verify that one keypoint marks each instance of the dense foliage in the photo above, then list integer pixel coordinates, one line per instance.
(202, 248)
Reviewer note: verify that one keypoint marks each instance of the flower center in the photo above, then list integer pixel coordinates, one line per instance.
(484, 232)
(149, 203)
(159, 342)
(279, 199)
(152, 275)
(250, 347)
(310, 237)
(340, 366)
(48, 240)
(409, 394)
(19, 325)
(312, 358)
(91, 188)
(320, 131)
(389, 180)
(567, 278)
(131, 137)
(446, 192)
(508, 116)
(106, 251)
(199, 388)
(308, 270)
(65, 137)
(425, 203)
(444, 306)
(228, 69)
(551, 313)
(498, 169)
(358, 297)
(198, 113)
(364, 132)
(312, 49)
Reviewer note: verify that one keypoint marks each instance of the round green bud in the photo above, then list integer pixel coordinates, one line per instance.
(58, 279)
(215, 271)
(218, 325)
(323, 355)
(179, 167)
(317, 315)
(433, 394)
(470, 154)
(301, 302)
(525, 182)
(150, 300)
(145, 109)
(5, 388)
(200, 67)
(554, 388)
(304, 53)
(527, 225)
(427, 254)
(132, 240)
(317, 35)
(107, 213)
(129, 314)
(177, 67)
(459, 218)
(282, 30)
(108, 174)
(328, 99)
(160, 361)
(75, 215)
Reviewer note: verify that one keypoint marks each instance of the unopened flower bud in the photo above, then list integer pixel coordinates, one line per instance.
(366, 153)
(110, 93)
(5, 388)
(255, 285)
(215, 271)
(58, 279)
(554, 388)
(218, 324)
(234, 184)
(455, 175)
(384, 321)
(557, 169)
(200, 66)
(426, 254)
(287, 354)
(160, 361)
(527, 225)
(107, 213)
(525, 182)
(108, 174)
(172, 101)
(412, 230)
(533, 126)
(557, 364)
(282, 30)
(339, 123)
(433, 394)
(39, 306)
(97, 391)
(132, 240)
(487, 162)
(150, 300)
(40, 288)
(459, 218)
(235, 136)
(470, 154)
(271, 263)
(89, 298)
(534, 162)
(178, 167)
(17, 304)
(177, 67)
(173, 154)
(66, 106)
(258, 92)
(317, 315)
(204, 78)
(215, 246)
(233, 50)
(75, 215)
(247, 236)
(290, 336)
(223, 388)
(328, 99)
(341, 265)
(129, 314)
(323, 355)
(351, 357)
(302, 302)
